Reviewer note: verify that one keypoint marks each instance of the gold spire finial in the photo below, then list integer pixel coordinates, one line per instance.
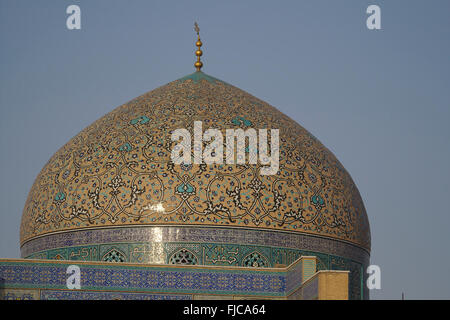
(198, 64)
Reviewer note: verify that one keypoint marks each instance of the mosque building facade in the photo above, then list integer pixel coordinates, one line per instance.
(112, 202)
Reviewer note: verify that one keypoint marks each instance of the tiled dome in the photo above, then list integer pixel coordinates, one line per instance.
(118, 172)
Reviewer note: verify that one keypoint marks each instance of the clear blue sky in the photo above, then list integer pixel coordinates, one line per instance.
(380, 100)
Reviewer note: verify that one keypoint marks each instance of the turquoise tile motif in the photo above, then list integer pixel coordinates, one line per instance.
(197, 76)
(111, 295)
(217, 254)
(144, 279)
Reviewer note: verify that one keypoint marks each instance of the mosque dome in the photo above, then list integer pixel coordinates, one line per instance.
(118, 172)
(114, 193)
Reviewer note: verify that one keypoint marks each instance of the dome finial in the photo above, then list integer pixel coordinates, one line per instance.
(198, 64)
